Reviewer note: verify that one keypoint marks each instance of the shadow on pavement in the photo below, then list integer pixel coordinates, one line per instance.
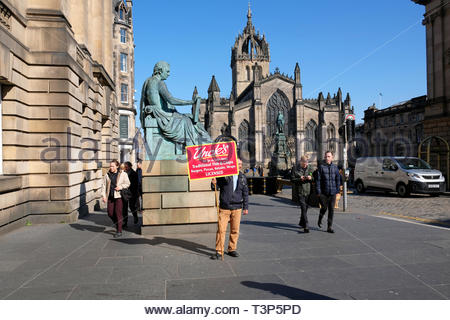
(83, 227)
(184, 244)
(445, 223)
(102, 219)
(275, 225)
(286, 291)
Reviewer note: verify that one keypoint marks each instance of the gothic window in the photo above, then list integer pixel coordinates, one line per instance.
(311, 136)
(257, 72)
(331, 137)
(123, 92)
(244, 143)
(278, 102)
(123, 62)
(224, 130)
(121, 14)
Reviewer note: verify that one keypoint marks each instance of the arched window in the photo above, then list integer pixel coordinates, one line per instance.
(331, 137)
(311, 136)
(278, 102)
(244, 142)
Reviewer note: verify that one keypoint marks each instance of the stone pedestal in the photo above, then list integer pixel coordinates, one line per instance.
(172, 203)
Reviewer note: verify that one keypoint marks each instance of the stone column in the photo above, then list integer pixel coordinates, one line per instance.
(96, 27)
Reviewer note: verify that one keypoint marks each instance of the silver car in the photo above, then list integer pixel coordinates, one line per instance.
(404, 175)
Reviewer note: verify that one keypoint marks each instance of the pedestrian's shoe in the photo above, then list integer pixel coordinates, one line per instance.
(306, 230)
(319, 222)
(216, 256)
(302, 223)
(233, 254)
(329, 230)
(117, 234)
(136, 220)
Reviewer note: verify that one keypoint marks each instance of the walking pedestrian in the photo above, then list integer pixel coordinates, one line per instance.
(328, 184)
(233, 201)
(302, 176)
(113, 182)
(133, 202)
(139, 173)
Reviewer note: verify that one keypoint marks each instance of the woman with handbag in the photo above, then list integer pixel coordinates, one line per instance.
(113, 182)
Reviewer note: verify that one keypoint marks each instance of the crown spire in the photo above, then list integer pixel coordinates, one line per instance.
(249, 19)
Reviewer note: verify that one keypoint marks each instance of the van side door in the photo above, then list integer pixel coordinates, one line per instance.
(388, 174)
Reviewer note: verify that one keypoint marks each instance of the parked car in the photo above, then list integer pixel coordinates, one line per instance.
(404, 175)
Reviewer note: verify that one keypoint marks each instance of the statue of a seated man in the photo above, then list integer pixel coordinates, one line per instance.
(157, 102)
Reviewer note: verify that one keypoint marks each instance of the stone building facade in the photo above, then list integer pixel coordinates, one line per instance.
(123, 41)
(394, 131)
(257, 96)
(437, 23)
(59, 113)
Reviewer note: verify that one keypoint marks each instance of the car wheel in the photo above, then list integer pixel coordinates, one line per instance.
(360, 186)
(402, 190)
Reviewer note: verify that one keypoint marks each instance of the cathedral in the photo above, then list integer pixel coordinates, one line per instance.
(250, 114)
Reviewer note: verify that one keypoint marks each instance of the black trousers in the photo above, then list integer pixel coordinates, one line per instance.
(133, 203)
(303, 201)
(327, 202)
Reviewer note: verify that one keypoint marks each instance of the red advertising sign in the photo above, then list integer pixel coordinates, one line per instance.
(212, 160)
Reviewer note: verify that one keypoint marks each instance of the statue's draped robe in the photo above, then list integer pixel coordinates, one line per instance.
(174, 126)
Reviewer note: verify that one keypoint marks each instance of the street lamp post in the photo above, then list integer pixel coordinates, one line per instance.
(344, 167)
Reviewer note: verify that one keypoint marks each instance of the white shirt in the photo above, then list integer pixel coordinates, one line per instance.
(235, 181)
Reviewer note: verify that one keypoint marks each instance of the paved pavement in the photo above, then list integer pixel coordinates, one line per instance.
(369, 257)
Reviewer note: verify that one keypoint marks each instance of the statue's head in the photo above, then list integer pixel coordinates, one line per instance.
(162, 68)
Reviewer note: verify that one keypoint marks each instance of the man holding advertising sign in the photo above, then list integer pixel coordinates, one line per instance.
(233, 201)
(219, 161)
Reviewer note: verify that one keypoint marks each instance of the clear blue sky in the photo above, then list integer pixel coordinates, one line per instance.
(365, 47)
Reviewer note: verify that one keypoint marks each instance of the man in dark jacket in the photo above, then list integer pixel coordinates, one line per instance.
(232, 201)
(328, 183)
(302, 177)
(134, 189)
(139, 173)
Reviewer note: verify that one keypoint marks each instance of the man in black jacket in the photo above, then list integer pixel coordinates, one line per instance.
(327, 185)
(134, 189)
(232, 201)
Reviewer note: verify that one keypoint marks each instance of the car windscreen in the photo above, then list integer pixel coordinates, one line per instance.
(413, 163)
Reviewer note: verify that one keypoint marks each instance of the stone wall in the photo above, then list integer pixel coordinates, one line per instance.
(58, 110)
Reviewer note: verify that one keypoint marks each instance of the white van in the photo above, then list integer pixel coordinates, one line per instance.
(401, 174)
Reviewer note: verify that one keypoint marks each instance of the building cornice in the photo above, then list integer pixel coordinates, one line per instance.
(100, 73)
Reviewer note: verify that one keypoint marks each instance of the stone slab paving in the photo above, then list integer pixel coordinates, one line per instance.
(367, 258)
